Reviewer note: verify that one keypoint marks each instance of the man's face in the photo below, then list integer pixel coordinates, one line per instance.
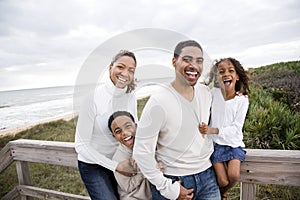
(189, 65)
(123, 129)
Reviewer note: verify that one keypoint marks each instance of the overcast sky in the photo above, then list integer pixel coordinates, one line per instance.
(45, 43)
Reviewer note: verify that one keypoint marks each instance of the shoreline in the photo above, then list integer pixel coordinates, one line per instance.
(16, 130)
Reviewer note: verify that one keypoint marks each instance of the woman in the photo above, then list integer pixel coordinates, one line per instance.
(93, 141)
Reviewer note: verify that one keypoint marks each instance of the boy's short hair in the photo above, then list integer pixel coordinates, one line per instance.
(117, 114)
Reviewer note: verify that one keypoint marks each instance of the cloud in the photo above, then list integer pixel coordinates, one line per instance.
(46, 38)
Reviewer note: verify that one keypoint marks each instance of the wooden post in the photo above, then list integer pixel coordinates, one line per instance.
(248, 191)
(23, 176)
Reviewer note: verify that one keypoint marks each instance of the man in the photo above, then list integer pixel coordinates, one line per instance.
(168, 133)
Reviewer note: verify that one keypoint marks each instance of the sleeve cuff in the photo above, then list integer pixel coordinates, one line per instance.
(171, 192)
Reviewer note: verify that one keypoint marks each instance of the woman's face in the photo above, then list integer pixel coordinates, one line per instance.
(122, 71)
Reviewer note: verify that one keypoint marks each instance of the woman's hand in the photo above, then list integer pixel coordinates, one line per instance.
(127, 167)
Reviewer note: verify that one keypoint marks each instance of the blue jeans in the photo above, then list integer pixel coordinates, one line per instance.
(99, 181)
(204, 184)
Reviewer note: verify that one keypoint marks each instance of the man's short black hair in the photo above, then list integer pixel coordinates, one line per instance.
(187, 43)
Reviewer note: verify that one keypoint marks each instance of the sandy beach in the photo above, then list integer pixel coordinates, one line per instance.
(13, 131)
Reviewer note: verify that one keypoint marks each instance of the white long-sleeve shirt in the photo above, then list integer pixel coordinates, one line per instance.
(168, 132)
(94, 142)
(229, 117)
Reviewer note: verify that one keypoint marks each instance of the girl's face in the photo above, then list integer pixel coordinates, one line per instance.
(228, 75)
(123, 129)
(122, 71)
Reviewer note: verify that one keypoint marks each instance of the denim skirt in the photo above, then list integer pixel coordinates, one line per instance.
(223, 153)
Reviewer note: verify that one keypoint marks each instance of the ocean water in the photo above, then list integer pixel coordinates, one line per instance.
(25, 107)
(19, 108)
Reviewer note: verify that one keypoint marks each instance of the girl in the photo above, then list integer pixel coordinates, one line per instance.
(93, 141)
(227, 130)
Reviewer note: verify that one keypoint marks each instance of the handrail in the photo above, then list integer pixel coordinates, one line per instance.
(261, 166)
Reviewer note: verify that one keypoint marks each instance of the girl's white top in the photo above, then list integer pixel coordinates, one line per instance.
(229, 117)
(94, 142)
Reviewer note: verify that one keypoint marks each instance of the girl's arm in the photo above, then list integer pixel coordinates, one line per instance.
(205, 129)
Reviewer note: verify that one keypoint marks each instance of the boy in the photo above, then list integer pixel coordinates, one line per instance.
(123, 128)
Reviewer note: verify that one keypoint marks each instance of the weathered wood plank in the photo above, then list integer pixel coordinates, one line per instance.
(272, 155)
(23, 173)
(41, 193)
(261, 166)
(13, 194)
(248, 191)
(5, 157)
(272, 172)
(23, 176)
(57, 153)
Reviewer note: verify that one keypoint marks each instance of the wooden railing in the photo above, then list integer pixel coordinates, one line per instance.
(279, 167)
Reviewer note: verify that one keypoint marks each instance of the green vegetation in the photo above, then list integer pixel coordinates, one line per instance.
(64, 179)
(281, 80)
(273, 122)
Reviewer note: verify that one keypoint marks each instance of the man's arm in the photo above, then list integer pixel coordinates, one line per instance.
(152, 119)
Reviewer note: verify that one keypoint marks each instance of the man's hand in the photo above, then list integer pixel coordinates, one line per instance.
(186, 194)
(159, 166)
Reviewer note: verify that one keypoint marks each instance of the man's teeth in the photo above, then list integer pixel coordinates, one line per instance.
(192, 73)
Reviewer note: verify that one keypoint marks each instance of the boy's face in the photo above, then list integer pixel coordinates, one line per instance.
(123, 129)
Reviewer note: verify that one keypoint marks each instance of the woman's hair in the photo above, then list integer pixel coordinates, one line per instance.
(130, 54)
(121, 54)
(117, 114)
(242, 85)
